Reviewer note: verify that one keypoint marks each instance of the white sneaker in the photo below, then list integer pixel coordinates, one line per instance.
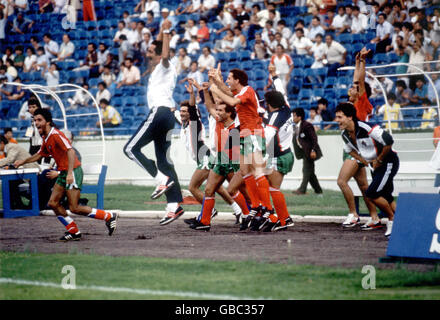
(162, 188)
(351, 221)
(371, 224)
(389, 228)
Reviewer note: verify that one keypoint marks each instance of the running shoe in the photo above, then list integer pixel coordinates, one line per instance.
(265, 218)
(171, 216)
(162, 188)
(214, 213)
(190, 221)
(245, 222)
(269, 226)
(200, 226)
(371, 225)
(289, 222)
(70, 236)
(389, 228)
(112, 223)
(351, 221)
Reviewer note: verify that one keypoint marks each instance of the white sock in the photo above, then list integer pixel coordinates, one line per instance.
(160, 177)
(236, 208)
(172, 206)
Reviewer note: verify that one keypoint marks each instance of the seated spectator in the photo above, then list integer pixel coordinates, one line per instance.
(126, 18)
(397, 15)
(226, 44)
(429, 113)
(263, 15)
(9, 54)
(51, 48)
(17, 92)
(107, 76)
(403, 58)
(208, 8)
(315, 118)
(22, 25)
(260, 50)
(175, 39)
(420, 92)
(52, 76)
(183, 7)
(239, 42)
(390, 111)
(81, 98)
(21, 5)
(194, 73)
(431, 95)
(3, 21)
(241, 17)
(335, 53)
(359, 22)
(384, 33)
(30, 60)
(58, 5)
(226, 19)
(340, 24)
(325, 114)
(152, 24)
(102, 52)
(318, 50)
(103, 93)
(195, 6)
(109, 115)
(206, 60)
(19, 58)
(315, 28)
(282, 41)
(194, 46)
(300, 43)
(282, 28)
(184, 61)
(45, 6)
(165, 13)
(10, 69)
(112, 64)
(203, 30)
(133, 35)
(122, 30)
(130, 74)
(9, 135)
(90, 61)
(125, 50)
(67, 49)
(283, 65)
(42, 60)
(190, 30)
(147, 40)
(148, 5)
(5, 90)
(267, 31)
(403, 93)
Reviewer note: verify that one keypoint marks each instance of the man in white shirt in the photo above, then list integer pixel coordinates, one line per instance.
(130, 74)
(384, 33)
(283, 65)
(159, 123)
(121, 30)
(301, 44)
(335, 54)
(206, 60)
(263, 15)
(339, 23)
(315, 28)
(183, 61)
(359, 23)
(51, 47)
(226, 19)
(66, 49)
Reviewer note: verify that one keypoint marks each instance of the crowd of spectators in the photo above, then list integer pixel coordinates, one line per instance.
(402, 28)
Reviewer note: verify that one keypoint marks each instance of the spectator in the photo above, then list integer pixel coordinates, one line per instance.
(45, 6)
(126, 18)
(89, 10)
(52, 76)
(429, 113)
(165, 13)
(403, 93)
(261, 50)
(9, 135)
(190, 30)
(174, 60)
(107, 76)
(397, 15)
(340, 24)
(359, 22)
(21, 5)
(90, 62)
(282, 41)
(3, 21)
(209, 8)
(183, 7)
(384, 32)
(435, 21)
(51, 48)
(152, 24)
(431, 95)
(67, 48)
(226, 44)
(122, 30)
(22, 25)
(30, 60)
(5, 90)
(125, 49)
(103, 93)
(263, 15)
(420, 92)
(241, 17)
(349, 14)
(282, 28)
(195, 6)
(10, 69)
(397, 38)
(376, 90)
(9, 54)
(300, 43)
(17, 92)
(148, 5)
(206, 60)
(391, 112)
(130, 74)
(318, 50)
(268, 30)
(335, 53)
(35, 43)
(194, 46)
(283, 65)
(147, 40)
(328, 20)
(103, 52)
(325, 114)
(239, 42)
(112, 64)
(203, 30)
(42, 60)
(109, 115)
(314, 118)
(315, 28)
(19, 58)
(226, 19)
(58, 5)
(175, 38)
(194, 73)
(403, 58)
(81, 98)
(133, 35)
(183, 61)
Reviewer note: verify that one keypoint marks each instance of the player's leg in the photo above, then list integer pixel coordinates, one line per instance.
(348, 170)
(197, 179)
(237, 190)
(279, 201)
(361, 179)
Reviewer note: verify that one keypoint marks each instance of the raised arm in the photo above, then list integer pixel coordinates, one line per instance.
(165, 36)
(359, 73)
(210, 105)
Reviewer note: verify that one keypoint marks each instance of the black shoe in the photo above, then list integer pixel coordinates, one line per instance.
(269, 227)
(265, 218)
(237, 218)
(112, 223)
(171, 216)
(214, 213)
(289, 222)
(245, 222)
(190, 221)
(278, 227)
(200, 226)
(70, 236)
(162, 188)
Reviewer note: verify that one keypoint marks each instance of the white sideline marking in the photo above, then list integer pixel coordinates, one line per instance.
(182, 294)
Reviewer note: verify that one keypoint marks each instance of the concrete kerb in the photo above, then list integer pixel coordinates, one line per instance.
(152, 214)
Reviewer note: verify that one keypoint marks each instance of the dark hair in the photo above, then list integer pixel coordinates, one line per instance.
(323, 101)
(398, 25)
(348, 109)
(401, 83)
(33, 100)
(314, 109)
(240, 75)
(275, 99)
(3, 139)
(6, 130)
(104, 101)
(391, 96)
(282, 22)
(123, 22)
(47, 35)
(158, 47)
(317, 18)
(356, 8)
(384, 15)
(19, 47)
(367, 89)
(46, 114)
(184, 103)
(122, 37)
(32, 49)
(103, 84)
(230, 109)
(299, 113)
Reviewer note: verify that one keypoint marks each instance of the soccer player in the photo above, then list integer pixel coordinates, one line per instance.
(252, 141)
(159, 123)
(358, 95)
(69, 181)
(371, 146)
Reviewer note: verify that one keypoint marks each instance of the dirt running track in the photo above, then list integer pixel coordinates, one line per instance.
(310, 243)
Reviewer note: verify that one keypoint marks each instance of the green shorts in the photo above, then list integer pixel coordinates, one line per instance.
(211, 163)
(251, 144)
(204, 163)
(283, 164)
(347, 156)
(224, 169)
(77, 179)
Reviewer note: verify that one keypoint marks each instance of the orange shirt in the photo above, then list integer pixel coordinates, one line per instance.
(56, 145)
(247, 112)
(224, 142)
(12, 140)
(363, 107)
(436, 135)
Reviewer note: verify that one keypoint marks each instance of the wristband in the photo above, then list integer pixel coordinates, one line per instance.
(166, 31)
